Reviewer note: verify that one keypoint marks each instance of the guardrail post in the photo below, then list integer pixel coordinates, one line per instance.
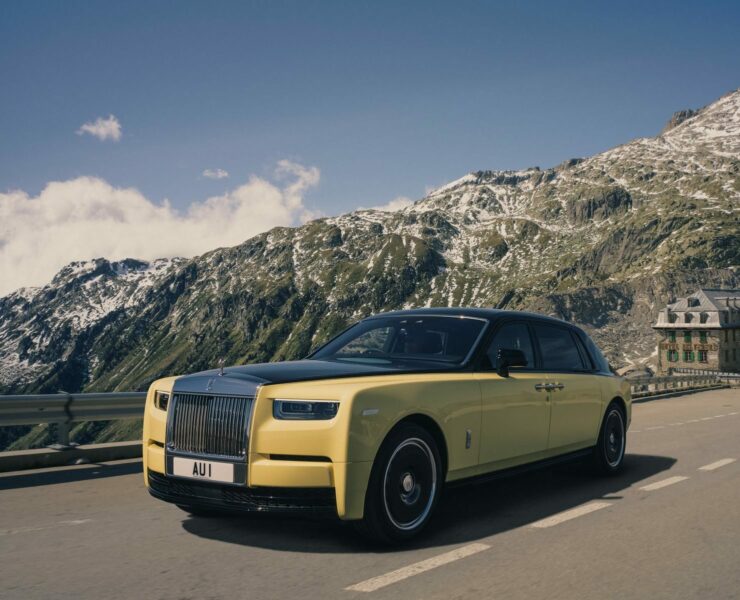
(63, 442)
(62, 435)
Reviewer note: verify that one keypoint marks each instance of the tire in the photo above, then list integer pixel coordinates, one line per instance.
(404, 486)
(610, 449)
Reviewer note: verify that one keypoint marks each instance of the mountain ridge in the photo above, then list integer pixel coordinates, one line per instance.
(604, 241)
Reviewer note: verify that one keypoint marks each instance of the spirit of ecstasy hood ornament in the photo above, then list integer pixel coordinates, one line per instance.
(221, 366)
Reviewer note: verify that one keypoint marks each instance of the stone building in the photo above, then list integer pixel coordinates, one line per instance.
(701, 331)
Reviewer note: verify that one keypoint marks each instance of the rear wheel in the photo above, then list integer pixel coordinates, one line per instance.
(404, 485)
(609, 451)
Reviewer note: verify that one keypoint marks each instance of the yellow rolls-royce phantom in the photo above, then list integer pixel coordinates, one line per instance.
(372, 425)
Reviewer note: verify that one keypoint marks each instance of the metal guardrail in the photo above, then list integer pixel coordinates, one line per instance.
(64, 409)
(724, 375)
(652, 386)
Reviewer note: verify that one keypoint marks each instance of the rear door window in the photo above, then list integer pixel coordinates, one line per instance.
(558, 348)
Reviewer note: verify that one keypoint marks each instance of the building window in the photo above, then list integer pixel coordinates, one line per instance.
(672, 355)
(734, 354)
(727, 355)
(703, 317)
(702, 356)
(727, 335)
(703, 337)
(687, 337)
(688, 356)
(688, 317)
(671, 336)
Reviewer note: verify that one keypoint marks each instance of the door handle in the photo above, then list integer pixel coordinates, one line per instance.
(557, 386)
(541, 386)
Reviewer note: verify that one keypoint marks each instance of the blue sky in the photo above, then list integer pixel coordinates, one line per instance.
(385, 99)
(382, 99)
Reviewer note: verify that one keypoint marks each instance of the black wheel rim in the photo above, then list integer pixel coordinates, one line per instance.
(410, 483)
(614, 438)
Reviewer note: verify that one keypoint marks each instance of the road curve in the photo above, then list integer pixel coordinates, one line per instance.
(668, 526)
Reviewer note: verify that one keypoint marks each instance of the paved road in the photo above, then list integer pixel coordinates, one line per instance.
(668, 527)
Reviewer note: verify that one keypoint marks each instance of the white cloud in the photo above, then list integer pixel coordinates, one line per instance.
(103, 129)
(87, 217)
(215, 174)
(397, 203)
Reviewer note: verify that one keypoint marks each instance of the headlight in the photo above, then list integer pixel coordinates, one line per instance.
(316, 410)
(161, 400)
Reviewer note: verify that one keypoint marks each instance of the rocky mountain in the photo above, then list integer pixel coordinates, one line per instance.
(603, 241)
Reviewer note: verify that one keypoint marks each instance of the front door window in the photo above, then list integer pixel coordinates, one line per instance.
(514, 336)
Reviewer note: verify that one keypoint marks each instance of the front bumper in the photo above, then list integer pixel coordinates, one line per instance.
(296, 467)
(302, 501)
(273, 485)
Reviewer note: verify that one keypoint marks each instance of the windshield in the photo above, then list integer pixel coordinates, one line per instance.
(405, 340)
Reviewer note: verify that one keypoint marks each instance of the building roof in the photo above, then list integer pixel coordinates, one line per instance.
(712, 299)
(707, 308)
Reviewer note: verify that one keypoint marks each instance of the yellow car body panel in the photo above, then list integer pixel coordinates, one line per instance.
(154, 430)
(515, 417)
(483, 420)
(576, 405)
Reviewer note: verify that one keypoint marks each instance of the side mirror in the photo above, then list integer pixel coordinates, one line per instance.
(509, 357)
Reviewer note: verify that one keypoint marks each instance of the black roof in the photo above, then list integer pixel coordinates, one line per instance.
(490, 314)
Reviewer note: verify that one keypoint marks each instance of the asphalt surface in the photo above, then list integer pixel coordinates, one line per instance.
(664, 528)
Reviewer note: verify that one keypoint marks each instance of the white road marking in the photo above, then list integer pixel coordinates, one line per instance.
(663, 483)
(656, 427)
(567, 515)
(43, 528)
(370, 585)
(717, 465)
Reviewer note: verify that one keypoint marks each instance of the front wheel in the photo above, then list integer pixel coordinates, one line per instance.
(609, 451)
(404, 485)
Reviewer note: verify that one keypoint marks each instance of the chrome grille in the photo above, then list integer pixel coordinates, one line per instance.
(207, 424)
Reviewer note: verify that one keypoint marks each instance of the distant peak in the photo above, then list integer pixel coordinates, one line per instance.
(679, 117)
(85, 269)
(725, 109)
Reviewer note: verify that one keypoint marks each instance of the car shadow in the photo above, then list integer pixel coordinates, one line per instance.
(465, 513)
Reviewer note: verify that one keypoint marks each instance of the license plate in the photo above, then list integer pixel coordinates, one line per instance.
(203, 469)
